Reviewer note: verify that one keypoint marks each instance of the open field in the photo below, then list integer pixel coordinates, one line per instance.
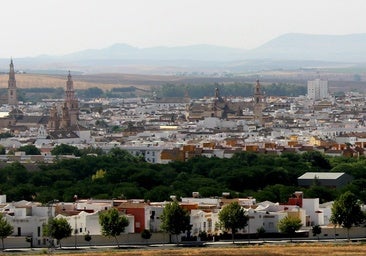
(288, 250)
(235, 250)
(80, 82)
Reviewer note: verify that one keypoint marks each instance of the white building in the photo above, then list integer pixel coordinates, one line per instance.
(314, 216)
(263, 219)
(88, 223)
(202, 221)
(28, 219)
(318, 89)
(153, 219)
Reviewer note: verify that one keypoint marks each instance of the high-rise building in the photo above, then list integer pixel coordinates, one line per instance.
(12, 86)
(318, 89)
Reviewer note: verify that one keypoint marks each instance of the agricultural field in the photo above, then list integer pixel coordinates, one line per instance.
(323, 249)
(104, 82)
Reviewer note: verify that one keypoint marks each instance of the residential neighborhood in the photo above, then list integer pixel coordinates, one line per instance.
(30, 218)
(161, 131)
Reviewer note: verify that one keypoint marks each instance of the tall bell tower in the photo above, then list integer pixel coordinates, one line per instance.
(12, 86)
(71, 102)
(259, 103)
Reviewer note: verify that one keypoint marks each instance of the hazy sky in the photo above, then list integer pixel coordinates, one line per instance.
(56, 27)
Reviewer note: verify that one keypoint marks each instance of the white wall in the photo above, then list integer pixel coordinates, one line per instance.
(311, 206)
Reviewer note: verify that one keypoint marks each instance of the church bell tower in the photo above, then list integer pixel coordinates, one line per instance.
(12, 86)
(258, 103)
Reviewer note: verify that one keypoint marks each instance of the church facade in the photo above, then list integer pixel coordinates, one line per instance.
(66, 118)
(225, 109)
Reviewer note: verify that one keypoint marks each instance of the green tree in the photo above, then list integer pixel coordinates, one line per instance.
(93, 92)
(175, 219)
(64, 149)
(146, 234)
(99, 174)
(2, 150)
(289, 225)
(6, 135)
(5, 230)
(346, 211)
(317, 230)
(121, 154)
(30, 150)
(58, 228)
(91, 151)
(113, 223)
(317, 160)
(232, 217)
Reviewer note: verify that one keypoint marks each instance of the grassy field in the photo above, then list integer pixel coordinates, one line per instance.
(294, 249)
(262, 250)
(104, 82)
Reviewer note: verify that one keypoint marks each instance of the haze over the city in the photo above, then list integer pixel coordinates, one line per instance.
(31, 28)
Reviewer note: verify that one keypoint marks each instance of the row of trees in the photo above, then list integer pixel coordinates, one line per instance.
(167, 90)
(234, 89)
(121, 175)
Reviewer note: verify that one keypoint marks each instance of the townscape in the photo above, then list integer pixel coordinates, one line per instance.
(164, 130)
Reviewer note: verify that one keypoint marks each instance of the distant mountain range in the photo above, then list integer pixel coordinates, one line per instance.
(288, 51)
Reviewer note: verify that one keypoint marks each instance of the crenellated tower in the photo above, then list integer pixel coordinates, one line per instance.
(12, 86)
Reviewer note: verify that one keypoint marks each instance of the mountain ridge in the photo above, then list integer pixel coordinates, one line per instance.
(291, 50)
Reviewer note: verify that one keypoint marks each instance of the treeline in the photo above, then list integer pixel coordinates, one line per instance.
(166, 90)
(38, 94)
(234, 89)
(120, 175)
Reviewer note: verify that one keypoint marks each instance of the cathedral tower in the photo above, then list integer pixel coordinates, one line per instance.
(258, 103)
(71, 102)
(54, 120)
(12, 86)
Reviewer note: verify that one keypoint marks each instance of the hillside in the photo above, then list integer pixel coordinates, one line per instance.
(337, 48)
(289, 51)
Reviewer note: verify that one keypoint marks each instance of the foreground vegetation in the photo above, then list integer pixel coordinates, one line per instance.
(120, 175)
(236, 250)
(288, 250)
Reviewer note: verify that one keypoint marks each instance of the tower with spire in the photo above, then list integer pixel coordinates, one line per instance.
(69, 116)
(71, 102)
(258, 103)
(12, 86)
